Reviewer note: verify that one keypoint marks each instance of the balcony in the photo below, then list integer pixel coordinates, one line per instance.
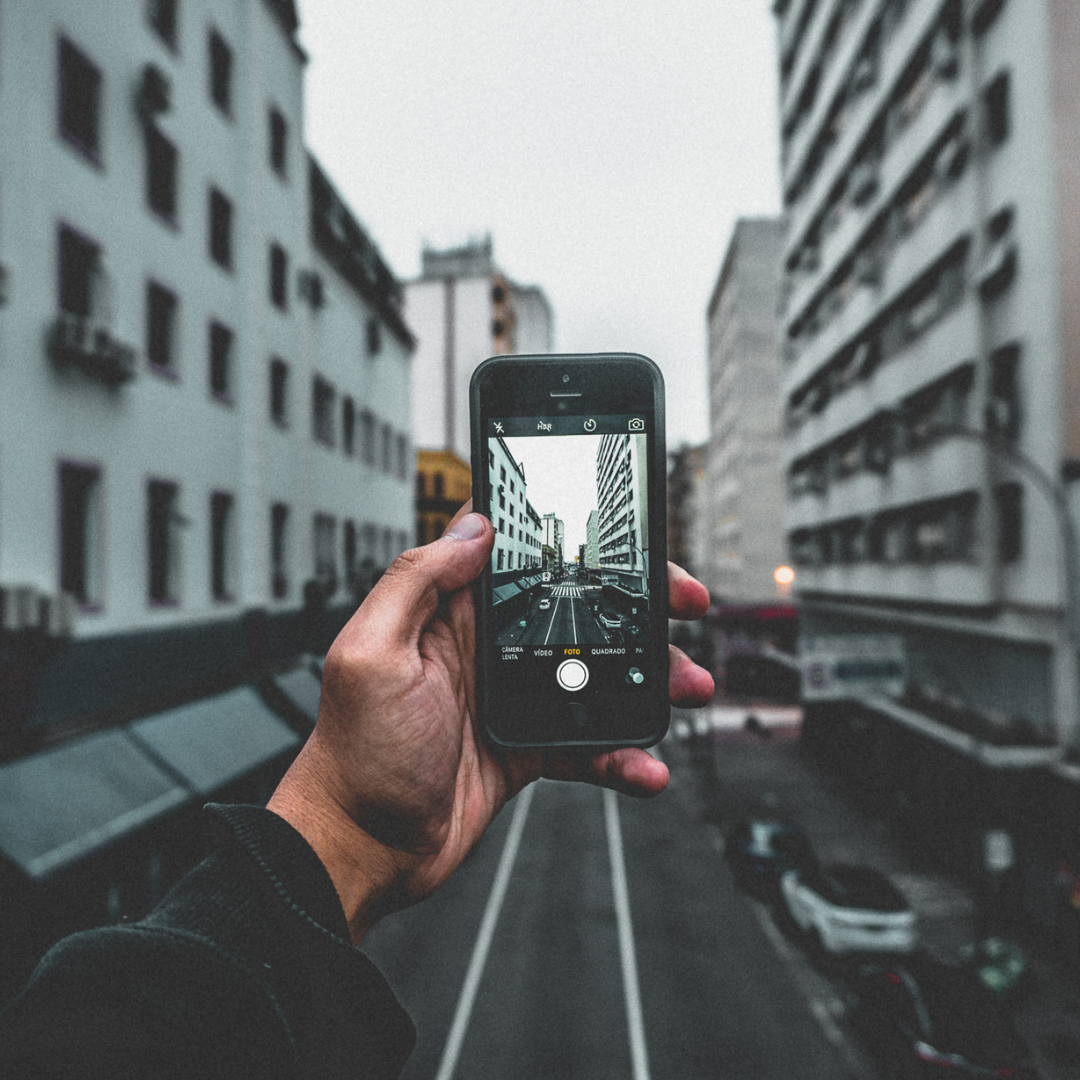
(91, 347)
(960, 584)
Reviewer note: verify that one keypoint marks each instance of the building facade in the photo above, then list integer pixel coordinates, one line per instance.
(204, 407)
(443, 485)
(463, 309)
(741, 534)
(930, 366)
(623, 502)
(517, 524)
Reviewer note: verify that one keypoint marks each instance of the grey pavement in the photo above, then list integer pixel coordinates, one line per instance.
(767, 771)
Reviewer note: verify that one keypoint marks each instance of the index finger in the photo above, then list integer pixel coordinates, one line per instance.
(687, 597)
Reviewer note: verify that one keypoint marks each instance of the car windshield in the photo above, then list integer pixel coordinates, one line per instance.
(859, 887)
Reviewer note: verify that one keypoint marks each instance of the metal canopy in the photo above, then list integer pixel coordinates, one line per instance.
(61, 804)
(302, 687)
(211, 742)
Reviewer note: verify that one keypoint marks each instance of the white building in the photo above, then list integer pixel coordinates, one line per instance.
(623, 501)
(739, 525)
(553, 541)
(592, 541)
(463, 310)
(206, 400)
(517, 525)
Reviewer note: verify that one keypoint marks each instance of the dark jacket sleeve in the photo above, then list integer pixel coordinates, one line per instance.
(244, 970)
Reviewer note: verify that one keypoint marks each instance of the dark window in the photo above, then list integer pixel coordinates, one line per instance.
(80, 532)
(221, 65)
(1010, 498)
(221, 215)
(325, 556)
(79, 264)
(161, 305)
(1003, 403)
(402, 457)
(279, 277)
(438, 485)
(279, 523)
(367, 437)
(322, 411)
(279, 141)
(80, 100)
(498, 294)
(161, 169)
(421, 487)
(385, 459)
(163, 547)
(221, 347)
(984, 15)
(221, 545)
(279, 391)
(374, 337)
(161, 14)
(996, 109)
(351, 565)
(348, 425)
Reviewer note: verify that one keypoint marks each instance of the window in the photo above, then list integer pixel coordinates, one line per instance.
(79, 260)
(221, 215)
(325, 558)
(222, 546)
(80, 533)
(221, 65)
(161, 307)
(221, 346)
(80, 100)
(1003, 402)
(279, 276)
(387, 442)
(279, 577)
(161, 14)
(348, 425)
(367, 437)
(161, 169)
(351, 563)
(1010, 499)
(402, 458)
(322, 410)
(996, 109)
(374, 337)
(438, 485)
(163, 541)
(279, 391)
(279, 132)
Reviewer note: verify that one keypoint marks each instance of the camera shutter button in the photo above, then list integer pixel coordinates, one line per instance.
(572, 674)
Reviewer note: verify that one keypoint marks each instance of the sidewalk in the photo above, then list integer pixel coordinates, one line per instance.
(764, 771)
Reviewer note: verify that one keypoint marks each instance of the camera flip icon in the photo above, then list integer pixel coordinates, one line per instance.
(637, 424)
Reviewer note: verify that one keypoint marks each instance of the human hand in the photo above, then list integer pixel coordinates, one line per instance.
(396, 785)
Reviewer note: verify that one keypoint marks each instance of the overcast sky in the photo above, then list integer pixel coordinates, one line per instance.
(608, 148)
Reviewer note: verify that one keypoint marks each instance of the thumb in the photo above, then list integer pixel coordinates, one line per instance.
(406, 596)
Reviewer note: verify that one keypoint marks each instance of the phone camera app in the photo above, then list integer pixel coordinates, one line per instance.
(637, 424)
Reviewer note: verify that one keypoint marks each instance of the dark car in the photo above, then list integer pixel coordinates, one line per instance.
(923, 1018)
(760, 850)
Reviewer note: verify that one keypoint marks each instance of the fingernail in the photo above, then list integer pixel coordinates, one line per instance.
(468, 528)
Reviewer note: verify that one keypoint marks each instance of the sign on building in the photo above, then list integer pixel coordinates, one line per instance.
(852, 665)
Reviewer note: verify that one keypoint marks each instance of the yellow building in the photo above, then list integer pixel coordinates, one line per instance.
(443, 483)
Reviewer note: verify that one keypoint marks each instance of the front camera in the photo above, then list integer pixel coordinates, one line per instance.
(566, 378)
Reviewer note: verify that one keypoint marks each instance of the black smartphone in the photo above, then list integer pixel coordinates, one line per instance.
(569, 464)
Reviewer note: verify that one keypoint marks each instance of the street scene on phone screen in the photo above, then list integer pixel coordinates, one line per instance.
(570, 563)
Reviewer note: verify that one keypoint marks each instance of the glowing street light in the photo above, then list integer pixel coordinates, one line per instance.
(783, 576)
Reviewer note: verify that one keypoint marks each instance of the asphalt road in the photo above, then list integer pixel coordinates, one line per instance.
(539, 960)
(567, 620)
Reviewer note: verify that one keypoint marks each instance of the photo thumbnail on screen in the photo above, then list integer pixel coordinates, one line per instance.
(570, 566)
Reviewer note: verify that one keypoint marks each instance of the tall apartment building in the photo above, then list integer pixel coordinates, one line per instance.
(463, 309)
(931, 361)
(204, 413)
(623, 501)
(517, 525)
(552, 541)
(742, 499)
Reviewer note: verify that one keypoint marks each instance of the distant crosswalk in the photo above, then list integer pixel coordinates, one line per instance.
(574, 592)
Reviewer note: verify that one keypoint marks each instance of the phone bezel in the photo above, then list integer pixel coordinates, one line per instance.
(608, 383)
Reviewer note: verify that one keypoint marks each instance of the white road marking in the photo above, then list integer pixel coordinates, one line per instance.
(483, 939)
(573, 619)
(552, 623)
(632, 991)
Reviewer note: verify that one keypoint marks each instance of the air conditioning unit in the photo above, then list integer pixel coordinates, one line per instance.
(90, 346)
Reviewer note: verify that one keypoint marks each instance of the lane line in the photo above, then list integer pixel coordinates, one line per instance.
(573, 619)
(483, 939)
(631, 990)
(552, 623)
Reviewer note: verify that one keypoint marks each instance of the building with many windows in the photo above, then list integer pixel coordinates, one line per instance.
(463, 309)
(204, 412)
(930, 366)
(517, 524)
(443, 485)
(623, 502)
(739, 535)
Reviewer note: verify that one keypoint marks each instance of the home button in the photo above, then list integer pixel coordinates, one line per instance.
(579, 715)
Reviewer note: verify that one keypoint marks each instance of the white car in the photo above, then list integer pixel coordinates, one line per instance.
(849, 909)
(545, 604)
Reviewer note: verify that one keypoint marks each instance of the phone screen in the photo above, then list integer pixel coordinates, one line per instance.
(570, 593)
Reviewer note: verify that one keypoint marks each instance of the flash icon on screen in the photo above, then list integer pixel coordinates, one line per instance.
(498, 428)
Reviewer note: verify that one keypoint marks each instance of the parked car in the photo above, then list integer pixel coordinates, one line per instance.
(545, 604)
(848, 909)
(922, 1018)
(611, 622)
(760, 850)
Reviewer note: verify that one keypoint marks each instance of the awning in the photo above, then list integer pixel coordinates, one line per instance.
(988, 754)
(303, 688)
(61, 804)
(215, 740)
(502, 593)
